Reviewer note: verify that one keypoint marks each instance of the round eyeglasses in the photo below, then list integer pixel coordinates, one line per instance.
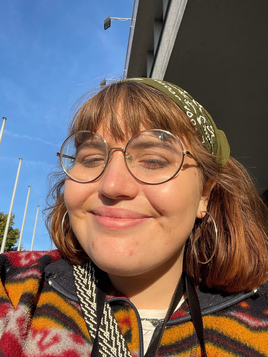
(152, 156)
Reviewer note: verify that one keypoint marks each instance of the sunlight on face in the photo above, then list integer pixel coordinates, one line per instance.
(128, 228)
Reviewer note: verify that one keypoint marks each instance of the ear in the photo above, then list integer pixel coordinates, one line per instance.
(204, 199)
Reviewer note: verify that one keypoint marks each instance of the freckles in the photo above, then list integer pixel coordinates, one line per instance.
(135, 244)
(93, 244)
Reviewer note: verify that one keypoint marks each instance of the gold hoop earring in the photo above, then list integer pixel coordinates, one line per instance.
(216, 241)
(65, 240)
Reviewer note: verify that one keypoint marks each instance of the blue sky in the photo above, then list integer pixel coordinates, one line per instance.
(52, 52)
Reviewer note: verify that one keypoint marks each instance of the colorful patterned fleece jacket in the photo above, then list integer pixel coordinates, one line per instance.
(40, 315)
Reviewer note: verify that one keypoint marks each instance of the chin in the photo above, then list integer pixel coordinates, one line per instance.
(119, 267)
(112, 267)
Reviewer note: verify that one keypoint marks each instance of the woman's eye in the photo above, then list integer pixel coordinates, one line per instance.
(91, 161)
(154, 163)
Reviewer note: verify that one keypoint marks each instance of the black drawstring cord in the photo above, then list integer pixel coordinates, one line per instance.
(153, 348)
(195, 312)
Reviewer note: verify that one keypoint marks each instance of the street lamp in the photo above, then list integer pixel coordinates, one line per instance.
(108, 21)
(104, 81)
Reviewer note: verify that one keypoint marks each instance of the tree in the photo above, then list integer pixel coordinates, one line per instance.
(12, 235)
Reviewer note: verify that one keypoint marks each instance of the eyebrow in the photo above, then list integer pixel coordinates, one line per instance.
(95, 144)
(148, 144)
(89, 144)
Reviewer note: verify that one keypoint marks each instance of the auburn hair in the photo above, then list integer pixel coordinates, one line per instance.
(239, 213)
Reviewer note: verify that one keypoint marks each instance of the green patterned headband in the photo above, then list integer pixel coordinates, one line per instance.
(213, 139)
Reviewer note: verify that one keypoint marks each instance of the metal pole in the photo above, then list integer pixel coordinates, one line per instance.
(24, 217)
(35, 227)
(2, 128)
(10, 209)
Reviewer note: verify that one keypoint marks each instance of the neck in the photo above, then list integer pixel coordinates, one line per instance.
(151, 290)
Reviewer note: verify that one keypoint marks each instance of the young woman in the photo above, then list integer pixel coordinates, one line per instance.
(161, 237)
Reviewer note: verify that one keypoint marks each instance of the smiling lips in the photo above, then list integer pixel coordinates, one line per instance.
(118, 218)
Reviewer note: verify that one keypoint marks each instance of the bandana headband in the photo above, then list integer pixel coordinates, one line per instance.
(213, 139)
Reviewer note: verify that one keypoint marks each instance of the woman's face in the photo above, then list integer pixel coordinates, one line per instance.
(128, 228)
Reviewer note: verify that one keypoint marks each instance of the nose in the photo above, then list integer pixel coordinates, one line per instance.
(116, 181)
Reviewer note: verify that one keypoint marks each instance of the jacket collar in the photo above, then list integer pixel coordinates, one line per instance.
(60, 276)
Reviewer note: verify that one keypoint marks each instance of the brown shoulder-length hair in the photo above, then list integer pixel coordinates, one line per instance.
(239, 259)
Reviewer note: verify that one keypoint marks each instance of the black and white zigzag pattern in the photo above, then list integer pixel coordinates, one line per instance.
(111, 340)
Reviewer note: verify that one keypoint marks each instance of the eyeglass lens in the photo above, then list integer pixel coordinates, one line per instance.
(152, 156)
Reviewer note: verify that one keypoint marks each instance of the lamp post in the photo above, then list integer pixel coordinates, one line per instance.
(104, 81)
(10, 209)
(108, 20)
(2, 128)
(36, 218)
(24, 217)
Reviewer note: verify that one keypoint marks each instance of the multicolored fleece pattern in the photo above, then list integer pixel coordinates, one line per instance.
(36, 320)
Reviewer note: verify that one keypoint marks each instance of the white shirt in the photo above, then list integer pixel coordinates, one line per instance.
(150, 319)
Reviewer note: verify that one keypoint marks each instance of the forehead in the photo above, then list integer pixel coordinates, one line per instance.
(118, 125)
(105, 131)
(117, 118)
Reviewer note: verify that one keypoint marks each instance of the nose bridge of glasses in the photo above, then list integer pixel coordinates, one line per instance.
(113, 149)
(116, 148)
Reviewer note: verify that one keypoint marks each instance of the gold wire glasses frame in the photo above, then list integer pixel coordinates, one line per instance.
(152, 156)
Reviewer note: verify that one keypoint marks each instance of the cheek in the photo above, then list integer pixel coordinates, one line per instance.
(179, 195)
(75, 194)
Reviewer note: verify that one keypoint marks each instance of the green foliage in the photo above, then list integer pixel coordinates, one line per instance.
(12, 235)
